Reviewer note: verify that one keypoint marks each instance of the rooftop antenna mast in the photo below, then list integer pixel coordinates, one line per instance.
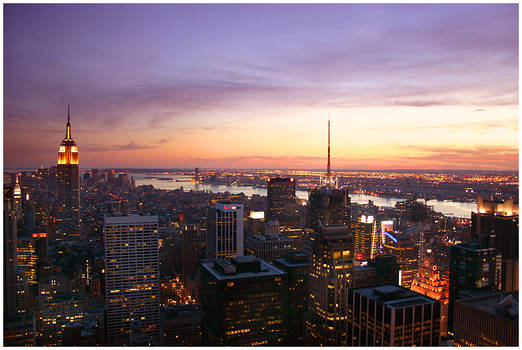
(328, 169)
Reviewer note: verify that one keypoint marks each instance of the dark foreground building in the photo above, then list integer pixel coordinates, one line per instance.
(392, 316)
(244, 302)
(490, 320)
(297, 265)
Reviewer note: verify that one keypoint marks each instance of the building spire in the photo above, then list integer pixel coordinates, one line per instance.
(68, 127)
(328, 166)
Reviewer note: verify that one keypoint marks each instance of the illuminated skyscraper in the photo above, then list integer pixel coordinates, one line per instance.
(434, 283)
(132, 277)
(500, 217)
(366, 238)
(68, 225)
(329, 204)
(330, 275)
(225, 231)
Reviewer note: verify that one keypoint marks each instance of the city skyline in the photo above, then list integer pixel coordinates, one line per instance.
(251, 86)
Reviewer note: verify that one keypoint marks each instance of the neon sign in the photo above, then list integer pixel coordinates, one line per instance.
(391, 237)
(229, 207)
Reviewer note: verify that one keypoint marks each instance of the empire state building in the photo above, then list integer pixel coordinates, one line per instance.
(68, 218)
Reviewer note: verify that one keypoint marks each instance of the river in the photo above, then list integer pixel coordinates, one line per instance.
(446, 207)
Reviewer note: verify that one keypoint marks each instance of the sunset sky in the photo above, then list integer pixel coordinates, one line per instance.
(406, 86)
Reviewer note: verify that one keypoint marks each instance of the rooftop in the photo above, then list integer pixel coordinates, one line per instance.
(394, 297)
(266, 270)
(503, 304)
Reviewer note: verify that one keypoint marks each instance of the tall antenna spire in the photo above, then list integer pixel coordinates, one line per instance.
(328, 166)
(68, 126)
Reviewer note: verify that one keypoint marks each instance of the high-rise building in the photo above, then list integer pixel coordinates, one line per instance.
(27, 258)
(297, 266)
(330, 274)
(244, 302)
(282, 202)
(386, 226)
(269, 247)
(392, 316)
(366, 239)
(403, 247)
(190, 251)
(225, 231)
(10, 244)
(132, 278)
(501, 218)
(488, 320)
(431, 281)
(473, 271)
(68, 218)
(328, 204)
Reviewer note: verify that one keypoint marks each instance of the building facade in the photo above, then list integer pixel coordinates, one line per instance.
(244, 302)
(489, 320)
(392, 316)
(473, 271)
(225, 234)
(404, 249)
(269, 247)
(297, 266)
(132, 278)
(500, 218)
(282, 202)
(330, 278)
(431, 281)
(365, 237)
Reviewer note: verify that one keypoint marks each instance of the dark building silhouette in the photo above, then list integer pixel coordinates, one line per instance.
(181, 325)
(386, 268)
(297, 266)
(392, 316)
(10, 244)
(329, 206)
(244, 302)
(190, 251)
(19, 330)
(473, 271)
(282, 202)
(68, 176)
